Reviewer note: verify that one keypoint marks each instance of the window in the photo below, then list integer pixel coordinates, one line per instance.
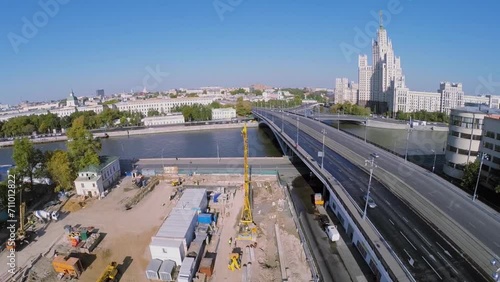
(93, 185)
(497, 148)
(477, 137)
(498, 136)
(452, 149)
(463, 152)
(496, 160)
(455, 133)
(83, 185)
(488, 145)
(465, 136)
(490, 134)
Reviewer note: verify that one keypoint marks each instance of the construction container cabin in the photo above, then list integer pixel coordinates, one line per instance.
(180, 224)
(193, 199)
(153, 268)
(167, 249)
(187, 270)
(166, 270)
(67, 265)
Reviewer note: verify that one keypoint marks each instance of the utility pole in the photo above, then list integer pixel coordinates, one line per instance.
(323, 150)
(407, 138)
(434, 164)
(297, 143)
(482, 156)
(371, 163)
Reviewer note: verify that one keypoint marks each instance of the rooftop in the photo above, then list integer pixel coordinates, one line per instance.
(104, 162)
(477, 110)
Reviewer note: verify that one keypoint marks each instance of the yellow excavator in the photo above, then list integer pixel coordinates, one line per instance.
(247, 228)
(234, 261)
(110, 273)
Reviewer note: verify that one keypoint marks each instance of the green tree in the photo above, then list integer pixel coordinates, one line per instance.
(60, 170)
(83, 149)
(257, 92)
(153, 113)
(471, 171)
(243, 108)
(27, 159)
(238, 91)
(111, 102)
(4, 194)
(497, 189)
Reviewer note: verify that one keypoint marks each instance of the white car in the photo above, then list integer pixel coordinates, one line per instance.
(332, 232)
(371, 203)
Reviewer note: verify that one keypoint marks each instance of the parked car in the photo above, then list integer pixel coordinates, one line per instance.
(374, 155)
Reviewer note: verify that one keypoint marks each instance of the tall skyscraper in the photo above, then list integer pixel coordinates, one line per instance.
(381, 81)
(100, 93)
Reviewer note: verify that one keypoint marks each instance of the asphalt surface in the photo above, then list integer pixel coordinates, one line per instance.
(427, 255)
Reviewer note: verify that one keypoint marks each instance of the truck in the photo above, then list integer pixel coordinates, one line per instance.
(332, 232)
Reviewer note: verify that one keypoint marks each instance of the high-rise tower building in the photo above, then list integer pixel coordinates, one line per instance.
(380, 82)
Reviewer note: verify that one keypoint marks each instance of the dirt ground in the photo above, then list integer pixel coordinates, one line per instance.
(128, 232)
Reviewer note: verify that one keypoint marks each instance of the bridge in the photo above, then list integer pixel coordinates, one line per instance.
(423, 228)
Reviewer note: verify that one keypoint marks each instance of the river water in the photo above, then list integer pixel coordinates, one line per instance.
(204, 143)
(178, 144)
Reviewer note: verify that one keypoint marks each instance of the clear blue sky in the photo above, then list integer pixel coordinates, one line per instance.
(88, 45)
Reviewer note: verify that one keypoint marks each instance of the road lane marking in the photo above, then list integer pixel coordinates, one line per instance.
(411, 261)
(422, 237)
(387, 202)
(432, 257)
(433, 268)
(361, 189)
(404, 218)
(449, 265)
(473, 226)
(496, 244)
(391, 221)
(444, 250)
(350, 178)
(408, 240)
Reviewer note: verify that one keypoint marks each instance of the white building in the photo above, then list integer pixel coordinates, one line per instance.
(464, 138)
(161, 105)
(490, 145)
(176, 118)
(94, 180)
(223, 114)
(364, 80)
(419, 100)
(488, 100)
(452, 96)
(64, 112)
(345, 91)
(96, 108)
(72, 101)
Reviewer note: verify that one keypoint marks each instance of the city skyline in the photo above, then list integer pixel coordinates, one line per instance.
(210, 44)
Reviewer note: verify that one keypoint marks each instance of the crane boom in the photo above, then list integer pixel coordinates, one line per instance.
(246, 215)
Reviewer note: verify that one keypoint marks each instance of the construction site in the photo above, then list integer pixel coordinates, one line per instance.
(177, 227)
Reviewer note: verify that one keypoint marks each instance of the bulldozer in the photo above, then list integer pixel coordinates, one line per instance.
(177, 182)
(234, 261)
(110, 273)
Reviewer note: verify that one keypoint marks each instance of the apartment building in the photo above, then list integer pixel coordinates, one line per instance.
(490, 145)
(163, 106)
(175, 118)
(223, 114)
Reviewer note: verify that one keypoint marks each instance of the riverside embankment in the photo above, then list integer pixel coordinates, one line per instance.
(145, 131)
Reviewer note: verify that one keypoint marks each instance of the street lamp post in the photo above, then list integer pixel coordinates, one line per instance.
(407, 138)
(371, 163)
(323, 150)
(495, 275)
(434, 163)
(162, 160)
(482, 156)
(218, 156)
(297, 143)
(366, 123)
(282, 122)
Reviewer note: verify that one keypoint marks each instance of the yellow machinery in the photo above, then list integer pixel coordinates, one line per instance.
(234, 261)
(247, 229)
(177, 182)
(110, 273)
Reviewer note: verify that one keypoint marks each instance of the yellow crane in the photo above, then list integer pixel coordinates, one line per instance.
(248, 229)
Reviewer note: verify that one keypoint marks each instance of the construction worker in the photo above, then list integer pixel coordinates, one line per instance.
(230, 241)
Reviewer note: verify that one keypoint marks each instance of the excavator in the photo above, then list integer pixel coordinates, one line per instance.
(247, 228)
(110, 273)
(234, 261)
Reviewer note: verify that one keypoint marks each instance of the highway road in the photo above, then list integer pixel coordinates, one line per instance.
(427, 255)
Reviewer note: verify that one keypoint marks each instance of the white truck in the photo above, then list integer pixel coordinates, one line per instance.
(332, 232)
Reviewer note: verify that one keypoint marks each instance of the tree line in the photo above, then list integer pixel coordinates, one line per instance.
(60, 166)
(424, 115)
(350, 109)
